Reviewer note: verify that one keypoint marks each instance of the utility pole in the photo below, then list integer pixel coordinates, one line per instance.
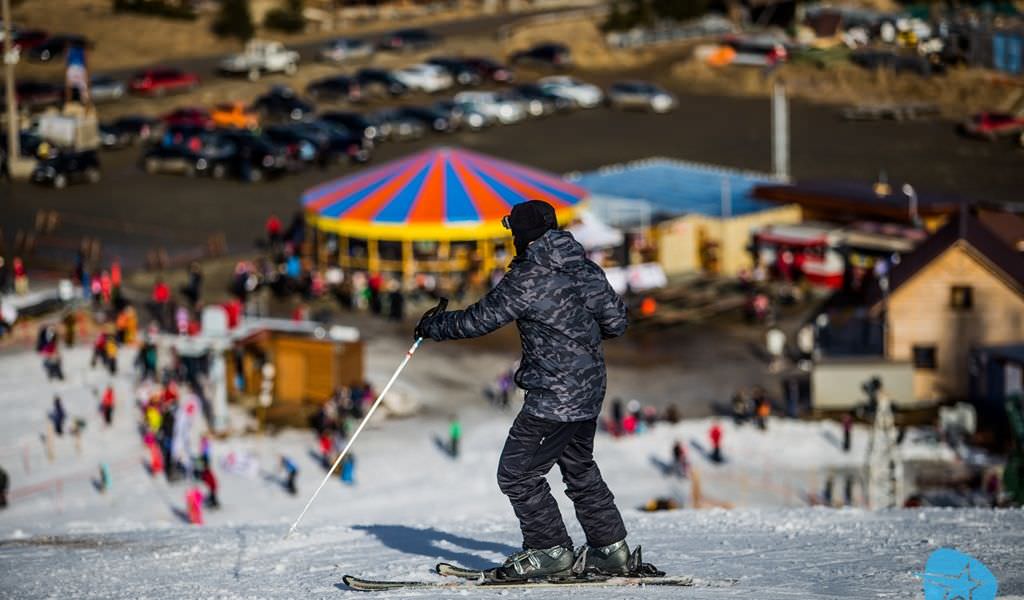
(15, 166)
(780, 132)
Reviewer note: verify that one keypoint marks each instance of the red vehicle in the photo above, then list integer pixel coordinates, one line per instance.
(991, 125)
(188, 117)
(157, 82)
(26, 39)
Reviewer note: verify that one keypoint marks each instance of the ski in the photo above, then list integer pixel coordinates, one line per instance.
(370, 585)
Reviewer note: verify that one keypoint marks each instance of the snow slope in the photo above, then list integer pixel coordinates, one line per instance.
(778, 554)
(413, 505)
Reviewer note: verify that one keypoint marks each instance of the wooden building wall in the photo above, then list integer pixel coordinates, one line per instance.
(921, 313)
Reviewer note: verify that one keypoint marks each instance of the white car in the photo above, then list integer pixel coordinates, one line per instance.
(261, 56)
(343, 49)
(493, 105)
(424, 77)
(583, 94)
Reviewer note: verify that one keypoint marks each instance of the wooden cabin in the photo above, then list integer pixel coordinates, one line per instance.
(961, 289)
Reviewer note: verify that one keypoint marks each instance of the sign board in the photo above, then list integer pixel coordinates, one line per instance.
(646, 276)
(836, 384)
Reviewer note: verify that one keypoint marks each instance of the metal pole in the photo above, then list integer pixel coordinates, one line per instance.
(13, 149)
(366, 419)
(780, 132)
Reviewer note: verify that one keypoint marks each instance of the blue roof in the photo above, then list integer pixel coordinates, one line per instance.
(675, 188)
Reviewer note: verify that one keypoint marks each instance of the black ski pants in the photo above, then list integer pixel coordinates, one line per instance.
(533, 446)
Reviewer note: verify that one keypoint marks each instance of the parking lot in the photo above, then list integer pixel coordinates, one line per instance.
(131, 211)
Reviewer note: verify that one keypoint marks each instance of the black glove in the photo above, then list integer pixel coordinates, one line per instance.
(442, 305)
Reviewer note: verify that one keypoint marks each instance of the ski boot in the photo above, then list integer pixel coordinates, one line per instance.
(611, 561)
(547, 563)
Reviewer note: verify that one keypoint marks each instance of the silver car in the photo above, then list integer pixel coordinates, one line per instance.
(494, 105)
(343, 49)
(103, 88)
(642, 95)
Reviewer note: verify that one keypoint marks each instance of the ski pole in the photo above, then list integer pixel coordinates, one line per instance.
(352, 439)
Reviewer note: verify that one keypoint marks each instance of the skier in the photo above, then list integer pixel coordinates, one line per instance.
(205, 473)
(58, 415)
(454, 434)
(104, 481)
(679, 461)
(290, 471)
(348, 469)
(563, 306)
(847, 431)
(194, 502)
(715, 434)
(3, 488)
(107, 405)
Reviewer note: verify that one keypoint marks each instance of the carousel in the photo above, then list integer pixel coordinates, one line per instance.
(438, 211)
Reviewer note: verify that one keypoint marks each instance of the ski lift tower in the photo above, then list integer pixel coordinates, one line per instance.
(884, 464)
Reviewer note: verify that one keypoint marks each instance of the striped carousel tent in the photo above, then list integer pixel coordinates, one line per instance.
(429, 212)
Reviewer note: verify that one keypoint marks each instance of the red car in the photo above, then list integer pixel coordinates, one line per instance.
(157, 82)
(993, 125)
(26, 39)
(188, 117)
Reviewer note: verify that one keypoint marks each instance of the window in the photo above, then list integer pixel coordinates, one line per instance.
(924, 357)
(961, 297)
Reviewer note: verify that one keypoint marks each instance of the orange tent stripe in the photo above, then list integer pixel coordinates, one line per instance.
(370, 206)
(488, 204)
(524, 187)
(430, 202)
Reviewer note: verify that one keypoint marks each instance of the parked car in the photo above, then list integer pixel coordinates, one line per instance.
(550, 55)
(35, 95)
(54, 47)
(584, 95)
(757, 51)
(641, 94)
(396, 125)
(252, 157)
(211, 159)
(300, 147)
(66, 167)
(338, 87)
(538, 101)
(281, 103)
(104, 88)
(430, 118)
(409, 39)
(157, 82)
(355, 123)
(259, 57)
(459, 70)
(489, 69)
(188, 117)
(26, 39)
(899, 63)
(379, 82)
(463, 113)
(993, 125)
(499, 107)
(424, 77)
(127, 130)
(336, 143)
(236, 115)
(344, 49)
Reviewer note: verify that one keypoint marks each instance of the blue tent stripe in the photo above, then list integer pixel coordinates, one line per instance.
(397, 210)
(458, 207)
(326, 189)
(510, 196)
(566, 197)
(339, 208)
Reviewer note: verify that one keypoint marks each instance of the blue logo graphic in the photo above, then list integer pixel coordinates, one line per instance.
(952, 575)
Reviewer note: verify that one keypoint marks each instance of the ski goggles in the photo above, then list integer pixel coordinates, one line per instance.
(506, 222)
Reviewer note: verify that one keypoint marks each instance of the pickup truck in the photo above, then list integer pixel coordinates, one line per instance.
(260, 57)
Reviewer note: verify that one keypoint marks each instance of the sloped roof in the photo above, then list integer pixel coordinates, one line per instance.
(980, 240)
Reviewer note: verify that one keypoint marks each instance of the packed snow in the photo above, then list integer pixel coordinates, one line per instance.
(413, 505)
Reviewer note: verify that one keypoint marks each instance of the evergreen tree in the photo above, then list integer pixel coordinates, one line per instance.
(234, 20)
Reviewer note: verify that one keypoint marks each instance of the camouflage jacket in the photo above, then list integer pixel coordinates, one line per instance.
(563, 306)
